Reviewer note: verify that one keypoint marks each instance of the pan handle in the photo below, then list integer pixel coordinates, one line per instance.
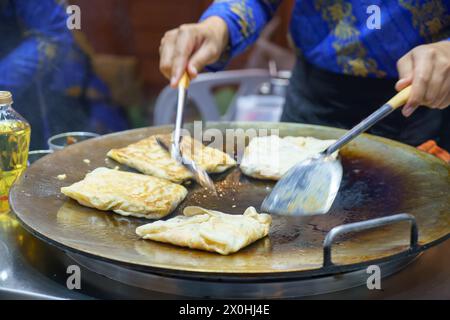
(364, 225)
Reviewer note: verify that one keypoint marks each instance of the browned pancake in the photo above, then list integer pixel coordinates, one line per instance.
(127, 193)
(148, 157)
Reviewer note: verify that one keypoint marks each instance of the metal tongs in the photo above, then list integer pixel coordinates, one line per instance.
(311, 186)
(200, 175)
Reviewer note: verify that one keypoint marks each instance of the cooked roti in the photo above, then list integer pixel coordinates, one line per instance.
(271, 157)
(127, 193)
(148, 157)
(209, 230)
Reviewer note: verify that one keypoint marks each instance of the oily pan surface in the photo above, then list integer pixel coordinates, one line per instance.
(381, 178)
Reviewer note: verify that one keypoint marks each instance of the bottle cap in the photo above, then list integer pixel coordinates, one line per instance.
(5, 97)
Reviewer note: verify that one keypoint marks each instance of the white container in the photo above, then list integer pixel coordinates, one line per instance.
(259, 108)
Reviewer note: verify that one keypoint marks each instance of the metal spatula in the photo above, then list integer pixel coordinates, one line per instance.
(311, 186)
(200, 175)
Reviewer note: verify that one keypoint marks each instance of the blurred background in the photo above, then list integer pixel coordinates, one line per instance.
(105, 77)
(122, 38)
(71, 85)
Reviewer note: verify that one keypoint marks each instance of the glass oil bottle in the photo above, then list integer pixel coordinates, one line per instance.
(14, 143)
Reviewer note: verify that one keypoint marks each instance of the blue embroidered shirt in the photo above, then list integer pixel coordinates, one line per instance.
(339, 35)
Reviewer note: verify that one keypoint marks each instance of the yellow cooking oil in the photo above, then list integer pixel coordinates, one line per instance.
(14, 143)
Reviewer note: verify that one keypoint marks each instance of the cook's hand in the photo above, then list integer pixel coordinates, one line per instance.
(427, 68)
(191, 47)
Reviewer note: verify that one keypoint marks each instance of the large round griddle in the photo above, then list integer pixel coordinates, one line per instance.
(381, 178)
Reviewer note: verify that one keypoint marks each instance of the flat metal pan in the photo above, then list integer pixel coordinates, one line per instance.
(381, 178)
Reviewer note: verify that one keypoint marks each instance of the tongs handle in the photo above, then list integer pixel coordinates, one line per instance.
(184, 81)
(397, 101)
(183, 85)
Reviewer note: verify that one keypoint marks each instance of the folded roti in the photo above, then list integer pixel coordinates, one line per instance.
(271, 157)
(209, 230)
(127, 193)
(148, 157)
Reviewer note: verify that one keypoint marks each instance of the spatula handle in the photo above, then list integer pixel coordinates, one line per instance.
(397, 101)
(400, 98)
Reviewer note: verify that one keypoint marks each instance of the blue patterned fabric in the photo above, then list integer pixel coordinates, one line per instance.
(50, 77)
(333, 34)
(34, 41)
